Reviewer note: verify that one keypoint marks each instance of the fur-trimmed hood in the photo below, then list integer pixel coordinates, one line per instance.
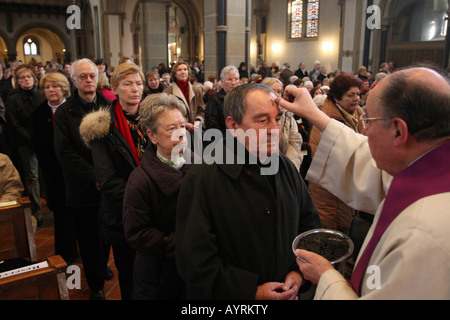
(95, 125)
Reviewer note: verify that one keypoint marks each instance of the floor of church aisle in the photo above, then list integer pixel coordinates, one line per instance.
(45, 247)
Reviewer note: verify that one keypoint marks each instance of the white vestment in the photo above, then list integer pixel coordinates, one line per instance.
(412, 258)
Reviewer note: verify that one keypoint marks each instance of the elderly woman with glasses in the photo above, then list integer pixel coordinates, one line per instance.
(342, 104)
(117, 143)
(20, 106)
(150, 199)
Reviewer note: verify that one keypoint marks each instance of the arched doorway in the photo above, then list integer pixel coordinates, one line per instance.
(177, 35)
(40, 45)
(3, 50)
(188, 16)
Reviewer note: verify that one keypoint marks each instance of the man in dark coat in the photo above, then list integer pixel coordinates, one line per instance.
(82, 196)
(235, 220)
(214, 117)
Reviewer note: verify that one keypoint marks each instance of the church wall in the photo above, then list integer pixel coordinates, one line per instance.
(325, 48)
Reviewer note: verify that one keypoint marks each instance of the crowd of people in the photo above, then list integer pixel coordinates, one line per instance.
(106, 147)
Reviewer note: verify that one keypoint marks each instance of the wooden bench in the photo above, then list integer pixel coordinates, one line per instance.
(44, 283)
(38, 281)
(17, 238)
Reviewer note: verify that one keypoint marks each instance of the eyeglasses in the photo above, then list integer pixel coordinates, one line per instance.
(25, 77)
(231, 80)
(366, 121)
(84, 77)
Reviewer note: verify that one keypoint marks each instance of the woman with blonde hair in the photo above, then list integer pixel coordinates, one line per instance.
(104, 87)
(117, 143)
(56, 89)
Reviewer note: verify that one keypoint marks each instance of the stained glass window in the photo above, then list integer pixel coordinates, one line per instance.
(304, 18)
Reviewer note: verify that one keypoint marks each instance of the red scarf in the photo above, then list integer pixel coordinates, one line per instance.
(121, 124)
(184, 87)
(427, 176)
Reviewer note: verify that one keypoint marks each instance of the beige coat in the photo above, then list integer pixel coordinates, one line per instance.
(334, 213)
(195, 109)
(290, 139)
(412, 258)
(11, 187)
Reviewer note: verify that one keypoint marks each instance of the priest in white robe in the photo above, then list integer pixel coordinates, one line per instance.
(400, 171)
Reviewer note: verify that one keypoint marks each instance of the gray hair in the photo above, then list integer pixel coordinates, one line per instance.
(75, 65)
(154, 105)
(271, 81)
(227, 70)
(235, 102)
(426, 110)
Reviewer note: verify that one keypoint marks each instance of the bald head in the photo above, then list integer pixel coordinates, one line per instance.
(419, 96)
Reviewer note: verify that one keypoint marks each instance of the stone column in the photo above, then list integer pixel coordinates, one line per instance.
(225, 34)
(447, 40)
(154, 33)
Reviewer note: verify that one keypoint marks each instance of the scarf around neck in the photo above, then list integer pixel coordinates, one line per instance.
(128, 125)
(184, 87)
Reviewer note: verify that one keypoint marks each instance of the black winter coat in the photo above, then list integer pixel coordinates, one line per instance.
(43, 124)
(150, 204)
(235, 227)
(20, 106)
(214, 117)
(73, 155)
(113, 163)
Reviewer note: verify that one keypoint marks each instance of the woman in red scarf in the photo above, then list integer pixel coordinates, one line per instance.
(190, 95)
(117, 145)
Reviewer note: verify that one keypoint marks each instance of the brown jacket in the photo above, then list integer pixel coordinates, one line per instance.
(195, 110)
(333, 212)
(11, 187)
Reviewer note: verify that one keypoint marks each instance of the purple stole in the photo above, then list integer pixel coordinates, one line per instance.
(430, 175)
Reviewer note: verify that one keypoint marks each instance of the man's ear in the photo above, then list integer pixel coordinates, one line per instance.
(400, 131)
(231, 123)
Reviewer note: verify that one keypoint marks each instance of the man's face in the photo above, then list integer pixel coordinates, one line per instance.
(260, 127)
(67, 68)
(230, 81)
(166, 78)
(86, 78)
(379, 136)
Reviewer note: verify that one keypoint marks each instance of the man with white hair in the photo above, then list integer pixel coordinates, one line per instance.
(214, 117)
(398, 170)
(315, 72)
(82, 196)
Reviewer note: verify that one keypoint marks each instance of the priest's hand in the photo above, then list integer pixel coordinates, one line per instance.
(303, 106)
(312, 265)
